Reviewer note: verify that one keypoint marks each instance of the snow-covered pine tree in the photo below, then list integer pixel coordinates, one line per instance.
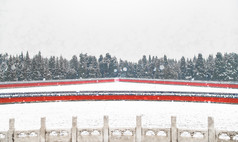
(112, 66)
(219, 70)
(57, 69)
(190, 70)
(62, 68)
(10, 73)
(123, 68)
(74, 66)
(236, 64)
(46, 73)
(52, 67)
(106, 61)
(37, 70)
(92, 67)
(101, 66)
(131, 70)
(230, 67)
(96, 67)
(3, 66)
(27, 67)
(200, 68)
(150, 67)
(209, 66)
(108, 64)
(157, 67)
(182, 68)
(83, 65)
(169, 72)
(1, 69)
(143, 68)
(20, 67)
(1, 75)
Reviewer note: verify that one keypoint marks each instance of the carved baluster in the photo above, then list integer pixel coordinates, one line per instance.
(43, 130)
(74, 129)
(11, 130)
(106, 129)
(173, 129)
(211, 130)
(138, 128)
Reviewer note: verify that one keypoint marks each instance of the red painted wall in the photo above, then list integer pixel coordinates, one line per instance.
(118, 97)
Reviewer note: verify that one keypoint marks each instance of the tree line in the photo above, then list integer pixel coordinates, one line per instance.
(222, 67)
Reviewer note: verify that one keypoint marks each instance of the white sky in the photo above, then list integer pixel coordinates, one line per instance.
(126, 29)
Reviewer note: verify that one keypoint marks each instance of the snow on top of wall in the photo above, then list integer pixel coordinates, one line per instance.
(119, 86)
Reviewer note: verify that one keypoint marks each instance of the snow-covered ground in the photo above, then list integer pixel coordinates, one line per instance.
(120, 86)
(121, 113)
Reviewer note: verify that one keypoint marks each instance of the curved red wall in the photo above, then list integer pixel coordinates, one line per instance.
(118, 97)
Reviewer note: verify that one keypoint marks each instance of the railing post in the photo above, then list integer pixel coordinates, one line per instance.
(74, 129)
(211, 130)
(105, 129)
(11, 130)
(174, 130)
(138, 128)
(43, 130)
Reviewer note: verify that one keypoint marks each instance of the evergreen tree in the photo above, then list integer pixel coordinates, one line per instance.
(92, 67)
(236, 65)
(113, 65)
(200, 68)
(20, 67)
(140, 70)
(157, 70)
(165, 61)
(182, 68)
(37, 72)
(230, 67)
(47, 74)
(168, 71)
(131, 70)
(10, 73)
(101, 66)
(74, 65)
(83, 65)
(57, 74)
(123, 68)
(143, 68)
(210, 65)
(71, 74)
(3, 66)
(106, 61)
(62, 68)
(1, 75)
(107, 66)
(27, 72)
(152, 67)
(219, 71)
(190, 70)
(150, 60)
(52, 68)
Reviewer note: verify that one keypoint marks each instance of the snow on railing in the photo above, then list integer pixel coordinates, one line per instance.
(108, 134)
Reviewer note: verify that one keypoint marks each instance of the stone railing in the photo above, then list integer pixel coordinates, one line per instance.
(108, 134)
